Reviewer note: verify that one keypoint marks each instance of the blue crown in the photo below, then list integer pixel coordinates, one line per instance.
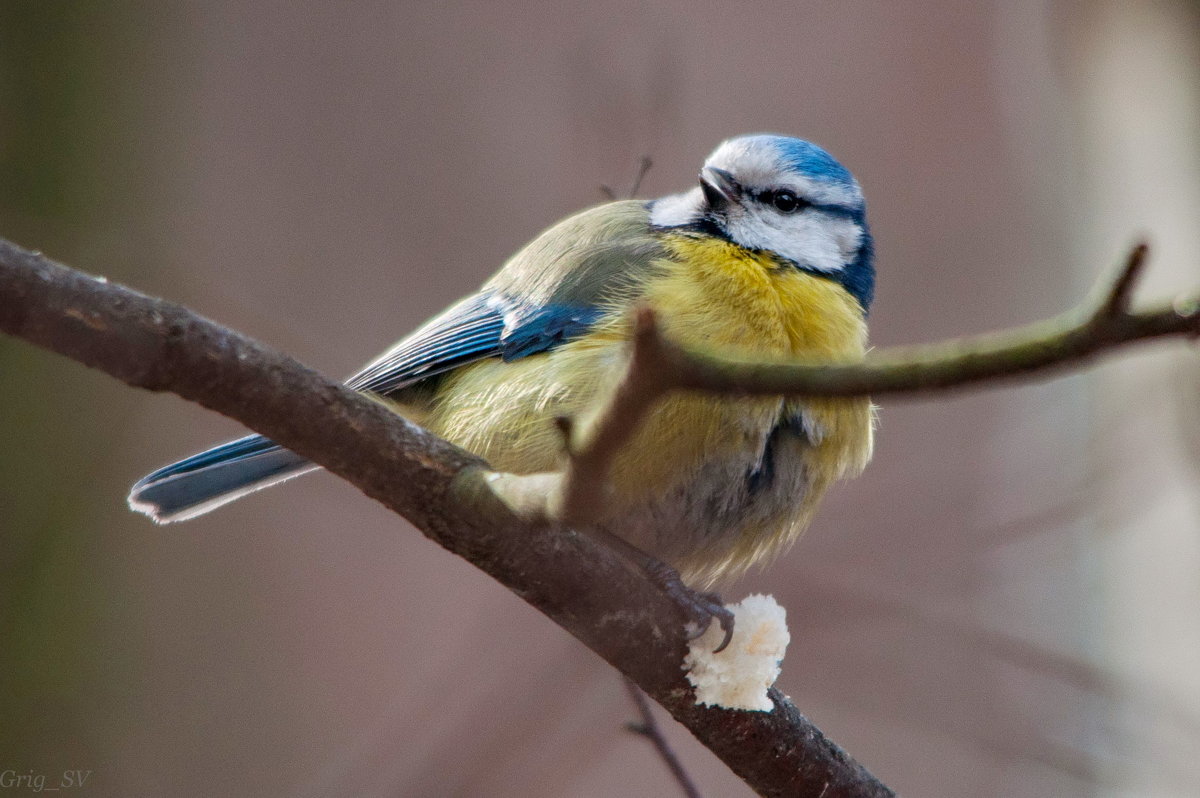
(805, 157)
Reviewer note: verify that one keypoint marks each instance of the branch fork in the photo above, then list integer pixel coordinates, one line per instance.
(1118, 299)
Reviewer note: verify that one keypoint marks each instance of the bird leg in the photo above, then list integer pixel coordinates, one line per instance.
(699, 608)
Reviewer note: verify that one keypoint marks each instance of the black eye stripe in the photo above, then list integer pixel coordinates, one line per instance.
(782, 200)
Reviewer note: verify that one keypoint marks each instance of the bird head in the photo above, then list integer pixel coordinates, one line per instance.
(786, 196)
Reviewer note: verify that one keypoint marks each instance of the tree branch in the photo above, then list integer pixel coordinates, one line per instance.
(456, 501)
(579, 493)
(1069, 340)
(580, 584)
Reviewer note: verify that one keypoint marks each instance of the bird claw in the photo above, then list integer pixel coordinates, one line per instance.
(703, 609)
(700, 608)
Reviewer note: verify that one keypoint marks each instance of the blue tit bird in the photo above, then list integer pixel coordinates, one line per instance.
(769, 256)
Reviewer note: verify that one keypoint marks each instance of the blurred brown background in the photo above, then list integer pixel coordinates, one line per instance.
(1005, 604)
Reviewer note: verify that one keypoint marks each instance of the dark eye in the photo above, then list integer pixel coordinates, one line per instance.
(782, 200)
(785, 201)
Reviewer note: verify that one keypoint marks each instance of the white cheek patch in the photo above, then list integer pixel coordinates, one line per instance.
(816, 240)
(847, 235)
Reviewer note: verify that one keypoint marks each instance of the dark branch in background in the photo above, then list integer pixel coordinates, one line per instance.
(456, 501)
(644, 164)
(648, 728)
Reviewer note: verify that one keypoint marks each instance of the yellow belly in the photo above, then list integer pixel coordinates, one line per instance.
(691, 447)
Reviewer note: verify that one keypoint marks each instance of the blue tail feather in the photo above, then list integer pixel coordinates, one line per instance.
(207, 480)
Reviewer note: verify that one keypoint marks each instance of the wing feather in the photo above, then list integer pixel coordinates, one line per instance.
(550, 292)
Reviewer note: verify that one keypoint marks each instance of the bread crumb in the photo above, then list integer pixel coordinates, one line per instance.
(738, 677)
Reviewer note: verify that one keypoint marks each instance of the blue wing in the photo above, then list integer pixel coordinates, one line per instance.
(549, 292)
(481, 326)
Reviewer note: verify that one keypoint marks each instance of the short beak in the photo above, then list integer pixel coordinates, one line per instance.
(719, 187)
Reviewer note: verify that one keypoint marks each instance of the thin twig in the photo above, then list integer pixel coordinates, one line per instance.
(592, 448)
(1119, 296)
(1070, 339)
(650, 729)
(643, 167)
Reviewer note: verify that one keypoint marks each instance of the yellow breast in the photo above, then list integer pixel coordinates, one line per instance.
(716, 293)
(708, 293)
(682, 481)
(697, 449)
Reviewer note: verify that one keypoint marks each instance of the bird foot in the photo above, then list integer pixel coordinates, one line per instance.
(699, 607)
